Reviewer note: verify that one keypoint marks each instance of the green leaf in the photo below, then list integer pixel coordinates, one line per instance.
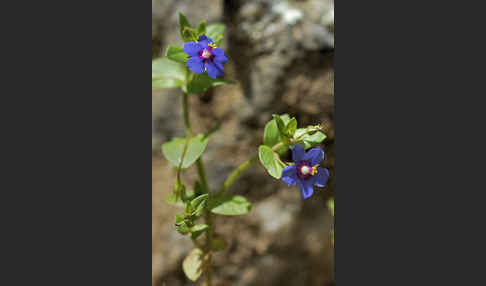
(201, 28)
(315, 138)
(176, 54)
(198, 204)
(180, 224)
(201, 82)
(199, 200)
(215, 32)
(185, 28)
(183, 22)
(200, 209)
(285, 125)
(268, 160)
(218, 243)
(189, 221)
(229, 205)
(285, 118)
(165, 83)
(167, 73)
(172, 198)
(172, 150)
(192, 264)
(280, 123)
(299, 132)
(271, 136)
(290, 127)
(189, 35)
(197, 230)
(188, 209)
(179, 218)
(309, 140)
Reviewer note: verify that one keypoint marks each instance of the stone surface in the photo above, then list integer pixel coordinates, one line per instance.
(281, 56)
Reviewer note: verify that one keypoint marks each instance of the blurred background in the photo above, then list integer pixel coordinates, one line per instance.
(281, 56)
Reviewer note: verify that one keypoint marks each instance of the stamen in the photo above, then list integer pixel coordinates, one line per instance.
(314, 170)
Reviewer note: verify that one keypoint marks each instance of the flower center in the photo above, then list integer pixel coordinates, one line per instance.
(304, 170)
(206, 54)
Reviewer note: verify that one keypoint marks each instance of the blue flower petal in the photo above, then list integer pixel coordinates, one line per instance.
(219, 55)
(306, 188)
(321, 177)
(314, 156)
(195, 64)
(219, 66)
(212, 70)
(192, 49)
(289, 175)
(204, 40)
(297, 153)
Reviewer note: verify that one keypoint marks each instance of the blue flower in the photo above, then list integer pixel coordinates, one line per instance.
(306, 171)
(204, 56)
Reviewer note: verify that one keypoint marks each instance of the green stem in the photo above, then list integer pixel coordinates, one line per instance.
(202, 176)
(187, 126)
(209, 236)
(185, 109)
(227, 183)
(236, 173)
(179, 169)
(278, 146)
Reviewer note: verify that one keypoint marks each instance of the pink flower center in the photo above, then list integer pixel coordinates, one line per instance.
(205, 54)
(304, 170)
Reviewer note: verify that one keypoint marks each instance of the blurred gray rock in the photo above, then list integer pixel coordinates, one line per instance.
(167, 121)
(270, 39)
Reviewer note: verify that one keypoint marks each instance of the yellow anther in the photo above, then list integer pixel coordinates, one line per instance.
(212, 45)
(314, 170)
